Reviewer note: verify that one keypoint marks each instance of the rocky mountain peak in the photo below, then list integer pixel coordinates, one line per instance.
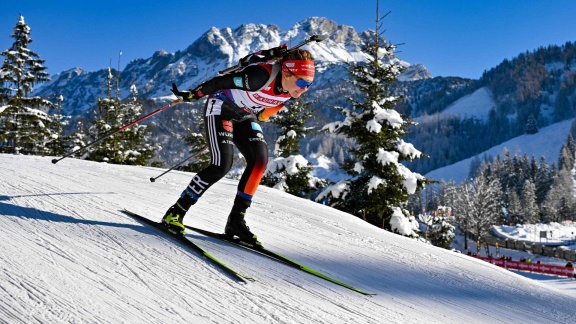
(213, 51)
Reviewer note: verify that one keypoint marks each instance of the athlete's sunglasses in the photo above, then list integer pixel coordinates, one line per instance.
(300, 83)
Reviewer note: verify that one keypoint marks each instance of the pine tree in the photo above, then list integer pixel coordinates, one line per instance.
(514, 204)
(559, 200)
(56, 145)
(378, 182)
(441, 233)
(571, 146)
(529, 205)
(106, 120)
(531, 125)
(22, 123)
(290, 171)
(567, 157)
(133, 145)
(475, 166)
(543, 181)
(78, 139)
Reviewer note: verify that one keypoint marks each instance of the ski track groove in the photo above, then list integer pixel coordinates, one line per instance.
(294, 278)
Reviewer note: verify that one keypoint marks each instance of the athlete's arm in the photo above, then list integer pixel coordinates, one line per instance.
(251, 78)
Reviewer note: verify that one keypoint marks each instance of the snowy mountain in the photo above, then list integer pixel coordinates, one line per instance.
(68, 255)
(214, 51)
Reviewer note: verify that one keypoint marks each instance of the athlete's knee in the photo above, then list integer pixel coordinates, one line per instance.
(260, 162)
(219, 171)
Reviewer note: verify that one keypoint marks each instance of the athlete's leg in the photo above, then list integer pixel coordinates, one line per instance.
(219, 136)
(249, 139)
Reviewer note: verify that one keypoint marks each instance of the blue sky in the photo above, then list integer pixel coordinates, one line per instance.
(450, 37)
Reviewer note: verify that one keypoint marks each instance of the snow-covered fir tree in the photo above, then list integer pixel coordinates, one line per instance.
(560, 201)
(542, 181)
(530, 208)
(514, 204)
(558, 205)
(133, 145)
(56, 144)
(106, 121)
(438, 230)
(567, 158)
(441, 232)
(23, 119)
(378, 184)
(78, 139)
(136, 146)
(289, 171)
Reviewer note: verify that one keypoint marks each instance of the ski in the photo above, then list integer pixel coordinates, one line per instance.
(276, 256)
(188, 243)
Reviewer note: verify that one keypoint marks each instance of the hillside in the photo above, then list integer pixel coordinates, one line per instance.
(68, 255)
(547, 143)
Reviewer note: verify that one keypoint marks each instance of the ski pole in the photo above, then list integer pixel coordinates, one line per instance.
(202, 150)
(173, 103)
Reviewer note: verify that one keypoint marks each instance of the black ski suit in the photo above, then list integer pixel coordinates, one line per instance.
(235, 104)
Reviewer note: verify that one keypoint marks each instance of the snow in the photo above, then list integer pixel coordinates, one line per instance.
(556, 233)
(566, 285)
(68, 255)
(374, 183)
(390, 115)
(402, 224)
(408, 149)
(476, 104)
(410, 178)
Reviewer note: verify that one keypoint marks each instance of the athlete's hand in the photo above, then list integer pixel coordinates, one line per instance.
(188, 96)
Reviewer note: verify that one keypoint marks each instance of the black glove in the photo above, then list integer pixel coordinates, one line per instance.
(188, 96)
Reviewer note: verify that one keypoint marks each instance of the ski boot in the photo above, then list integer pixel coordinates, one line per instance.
(236, 226)
(173, 220)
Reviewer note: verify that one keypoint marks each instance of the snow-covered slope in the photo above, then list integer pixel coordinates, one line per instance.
(67, 255)
(475, 105)
(547, 143)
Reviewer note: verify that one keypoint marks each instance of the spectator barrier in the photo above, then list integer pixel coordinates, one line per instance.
(559, 252)
(532, 267)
